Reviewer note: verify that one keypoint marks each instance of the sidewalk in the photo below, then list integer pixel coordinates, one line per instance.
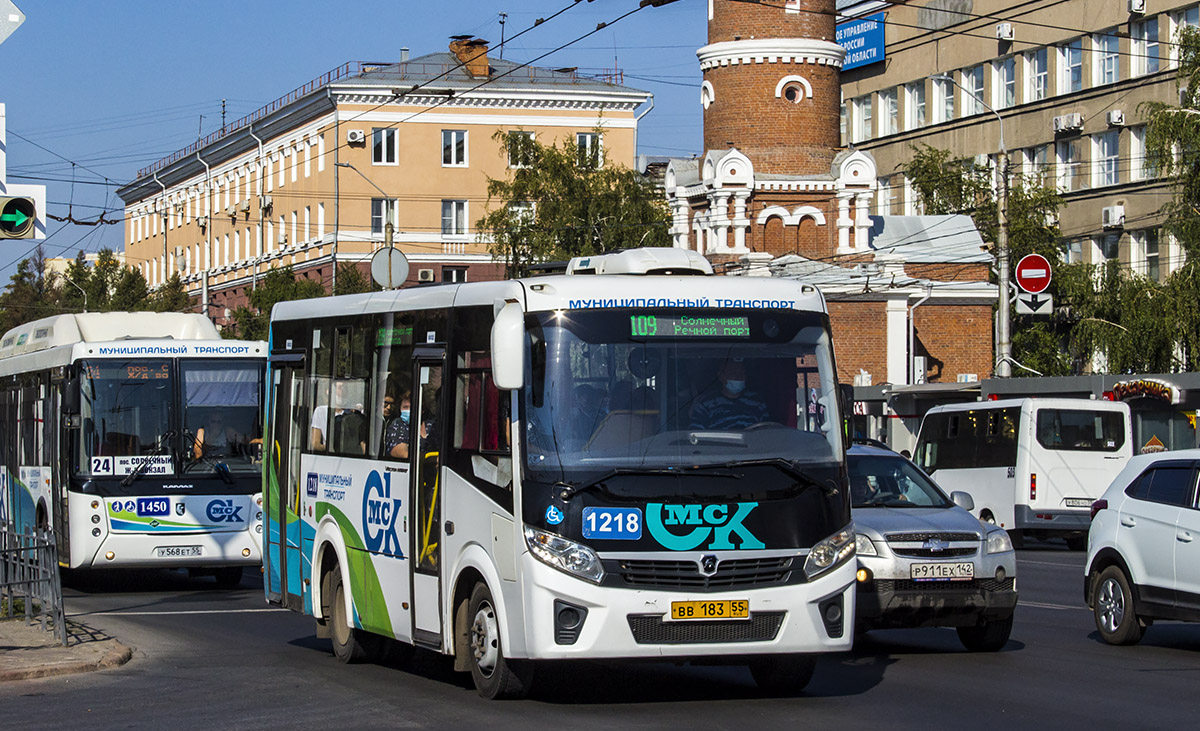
(30, 652)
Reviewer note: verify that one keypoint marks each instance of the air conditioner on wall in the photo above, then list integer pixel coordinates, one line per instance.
(1068, 122)
(283, 239)
(202, 221)
(245, 206)
(1116, 118)
(1004, 31)
(355, 136)
(231, 211)
(1137, 6)
(424, 275)
(265, 202)
(1112, 216)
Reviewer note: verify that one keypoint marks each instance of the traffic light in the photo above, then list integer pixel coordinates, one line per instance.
(17, 215)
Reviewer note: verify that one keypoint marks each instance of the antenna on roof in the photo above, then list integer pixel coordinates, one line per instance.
(503, 17)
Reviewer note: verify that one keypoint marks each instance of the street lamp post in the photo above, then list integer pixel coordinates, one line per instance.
(76, 286)
(388, 227)
(1003, 319)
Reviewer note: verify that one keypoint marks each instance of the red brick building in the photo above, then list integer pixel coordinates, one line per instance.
(774, 195)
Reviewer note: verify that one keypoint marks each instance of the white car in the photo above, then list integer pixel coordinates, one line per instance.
(924, 560)
(1144, 547)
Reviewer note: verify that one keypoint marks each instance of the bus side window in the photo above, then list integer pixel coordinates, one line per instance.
(391, 376)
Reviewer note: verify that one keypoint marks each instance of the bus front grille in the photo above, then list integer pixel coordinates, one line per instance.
(730, 574)
(650, 629)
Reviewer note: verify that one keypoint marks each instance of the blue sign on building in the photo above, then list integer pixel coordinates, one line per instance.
(863, 40)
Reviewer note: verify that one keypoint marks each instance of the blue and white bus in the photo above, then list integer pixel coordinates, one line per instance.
(634, 459)
(136, 436)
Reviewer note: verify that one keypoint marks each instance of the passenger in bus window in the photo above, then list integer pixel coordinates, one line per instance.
(586, 414)
(733, 406)
(350, 422)
(396, 421)
(216, 438)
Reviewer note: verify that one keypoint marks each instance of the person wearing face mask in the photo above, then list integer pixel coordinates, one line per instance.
(396, 425)
(733, 407)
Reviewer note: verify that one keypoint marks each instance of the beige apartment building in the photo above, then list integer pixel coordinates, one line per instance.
(1066, 77)
(311, 179)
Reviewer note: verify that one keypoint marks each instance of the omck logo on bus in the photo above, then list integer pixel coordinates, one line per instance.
(686, 527)
(380, 512)
(224, 511)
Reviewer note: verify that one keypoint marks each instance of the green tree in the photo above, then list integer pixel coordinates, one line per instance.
(561, 202)
(171, 297)
(351, 280)
(279, 285)
(30, 295)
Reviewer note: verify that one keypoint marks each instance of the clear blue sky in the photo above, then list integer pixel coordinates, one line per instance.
(114, 86)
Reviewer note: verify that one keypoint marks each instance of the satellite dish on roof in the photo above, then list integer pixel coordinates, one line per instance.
(389, 267)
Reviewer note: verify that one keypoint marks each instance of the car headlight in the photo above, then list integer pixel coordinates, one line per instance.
(863, 546)
(830, 552)
(566, 556)
(999, 542)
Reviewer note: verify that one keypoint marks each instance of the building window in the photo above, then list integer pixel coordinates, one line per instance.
(1105, 58)
(1108, 248)
(520, 151)
(844, 126)
(383, 147)
(454, 218)
(454, 148)
(1104, 168)
(914, 105)
(1036, 74)
(1145, 254)
(884, 199)
(1073, 251)
(1145, 46)
(1070, 66)
(943, 94)
(1037, 163)
(863, 118)
(888, 112)
(380, 209)
(587, 145)
(1070, 159)
(972, 81)
(1140, 164)
(454, 274)
(1190, 17)
(1005, 94)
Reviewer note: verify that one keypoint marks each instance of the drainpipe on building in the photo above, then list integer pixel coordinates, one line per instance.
(163, 278)
(337, 206)
(912, 358)
(637, 121)
(208, 225)
(261, 187)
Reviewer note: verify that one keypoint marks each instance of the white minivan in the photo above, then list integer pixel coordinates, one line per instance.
(1032, 465)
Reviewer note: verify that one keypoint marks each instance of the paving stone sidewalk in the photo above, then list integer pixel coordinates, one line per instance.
(28, 651)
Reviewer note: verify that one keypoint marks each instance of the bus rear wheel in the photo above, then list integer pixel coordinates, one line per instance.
(348, 645)
(784, 675)
(495, 676)
(228, 577)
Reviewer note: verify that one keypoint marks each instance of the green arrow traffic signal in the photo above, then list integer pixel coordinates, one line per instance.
(17, 216)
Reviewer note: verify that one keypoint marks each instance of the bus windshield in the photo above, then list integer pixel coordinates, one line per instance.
(131, 418)
(628, 389)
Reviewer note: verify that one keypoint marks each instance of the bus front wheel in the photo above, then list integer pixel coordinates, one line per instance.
(495, 676)
(784, 675)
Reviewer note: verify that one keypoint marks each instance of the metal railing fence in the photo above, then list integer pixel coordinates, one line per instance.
(29, 579)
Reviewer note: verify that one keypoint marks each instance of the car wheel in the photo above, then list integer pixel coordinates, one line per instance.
(990, 636)
(783, 674)
(495, 676)
(348, 645)
(1114, 610)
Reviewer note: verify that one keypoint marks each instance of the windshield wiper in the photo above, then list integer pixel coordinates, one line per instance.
(142, 466)
(570, 490)
(220, 468)
(786, 465)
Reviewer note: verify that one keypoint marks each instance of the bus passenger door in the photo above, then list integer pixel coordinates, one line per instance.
(428, 439)
(285, 575)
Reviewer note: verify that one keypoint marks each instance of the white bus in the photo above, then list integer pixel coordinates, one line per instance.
(137, 437)
(1033, 466)
(633, 459)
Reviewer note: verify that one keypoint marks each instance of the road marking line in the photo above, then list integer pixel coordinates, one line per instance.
(1043, 605)
(119, 613)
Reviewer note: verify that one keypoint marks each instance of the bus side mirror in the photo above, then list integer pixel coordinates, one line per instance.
(508, 347)
(846, 392)
(70, 401)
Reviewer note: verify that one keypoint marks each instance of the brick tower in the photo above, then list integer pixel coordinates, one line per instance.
(772, 180)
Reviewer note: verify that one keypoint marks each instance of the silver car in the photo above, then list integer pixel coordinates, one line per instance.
(924, 560)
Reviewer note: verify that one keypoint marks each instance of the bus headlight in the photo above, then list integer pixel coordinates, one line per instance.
(999, 542)
(830, 553)
(566, 556)
(863, 546)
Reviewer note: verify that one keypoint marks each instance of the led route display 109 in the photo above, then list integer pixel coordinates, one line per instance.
(688, 326)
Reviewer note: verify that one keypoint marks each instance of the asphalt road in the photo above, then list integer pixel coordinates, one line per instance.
(214, 659)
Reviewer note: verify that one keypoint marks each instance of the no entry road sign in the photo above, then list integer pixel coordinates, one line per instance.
(1033, 273)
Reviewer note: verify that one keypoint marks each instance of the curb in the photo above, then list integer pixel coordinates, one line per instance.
(116, 656)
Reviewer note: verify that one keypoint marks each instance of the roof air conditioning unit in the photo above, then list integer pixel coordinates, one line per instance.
(1004, 31)
(1068, 122)
(1112, 216)
(1116, 118)
(424, 275)
(266, 202)
(1137, 6)
(355, 136)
